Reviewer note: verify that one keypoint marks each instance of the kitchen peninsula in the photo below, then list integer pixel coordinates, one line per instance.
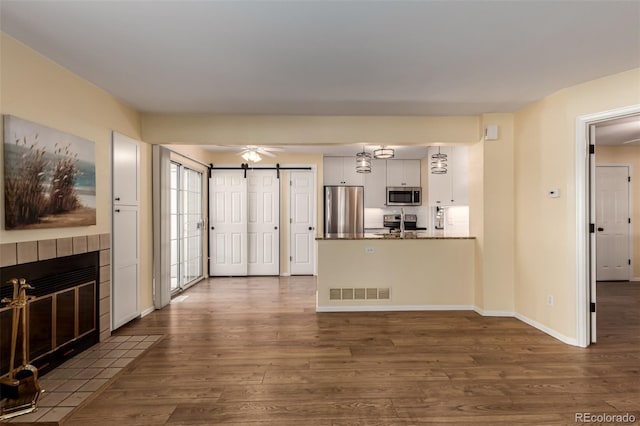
(423, 271)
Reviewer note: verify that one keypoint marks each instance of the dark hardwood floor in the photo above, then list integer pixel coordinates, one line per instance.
(255, 352)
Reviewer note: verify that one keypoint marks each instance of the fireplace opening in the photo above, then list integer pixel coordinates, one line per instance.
(63, 319)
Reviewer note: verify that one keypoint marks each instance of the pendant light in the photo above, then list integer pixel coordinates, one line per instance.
(363, 162)
(383, 153)
(439, 163)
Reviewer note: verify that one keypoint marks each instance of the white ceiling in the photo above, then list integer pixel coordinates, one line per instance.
(400, 152)
(621, 131)
(331, 57)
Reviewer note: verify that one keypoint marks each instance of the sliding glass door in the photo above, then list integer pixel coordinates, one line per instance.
(187, 225)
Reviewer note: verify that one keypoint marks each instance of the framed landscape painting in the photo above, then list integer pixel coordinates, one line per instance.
(49, 177)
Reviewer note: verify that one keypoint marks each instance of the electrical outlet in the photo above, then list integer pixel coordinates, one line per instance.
(369, 250)
(550, 299)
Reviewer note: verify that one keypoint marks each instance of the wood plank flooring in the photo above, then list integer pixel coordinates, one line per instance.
(254, 352)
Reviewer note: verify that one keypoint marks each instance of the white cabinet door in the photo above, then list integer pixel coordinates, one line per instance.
(263, 223)
(125, 265)
(351, 177)
(459, 176)
(375, 185)
(126, 162)
(403, 172)
(341, 171)
(439, 185)
(228, 233)
(332, 171)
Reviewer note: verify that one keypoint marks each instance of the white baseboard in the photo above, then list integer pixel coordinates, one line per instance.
(494, 313)
(565, 339)
(147, 312)
(635, 279)
(285, 274)
(384, 308)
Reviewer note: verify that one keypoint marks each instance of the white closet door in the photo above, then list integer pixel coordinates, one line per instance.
(302, 224)
(228, 223)
(263, 223)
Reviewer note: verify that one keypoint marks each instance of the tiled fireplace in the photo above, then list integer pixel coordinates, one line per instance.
(71, 311)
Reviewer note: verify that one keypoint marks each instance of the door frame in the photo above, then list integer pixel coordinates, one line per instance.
(583, 205)
(314, 172)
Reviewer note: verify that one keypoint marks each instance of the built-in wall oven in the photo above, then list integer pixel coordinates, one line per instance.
(404, 196)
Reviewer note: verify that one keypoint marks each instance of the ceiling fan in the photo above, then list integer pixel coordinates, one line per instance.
(631, 141)
(252, 153)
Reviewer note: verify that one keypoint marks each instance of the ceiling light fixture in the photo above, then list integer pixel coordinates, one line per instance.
(251, 156)
(439, 163)
(383, 153)
(363, 162)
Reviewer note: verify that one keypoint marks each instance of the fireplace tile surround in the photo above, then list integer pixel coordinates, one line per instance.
(31, 251)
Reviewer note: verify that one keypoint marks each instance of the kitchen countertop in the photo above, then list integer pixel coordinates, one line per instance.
(409, 235)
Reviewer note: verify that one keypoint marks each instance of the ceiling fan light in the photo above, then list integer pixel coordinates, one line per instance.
(383, 153)
(251, 156)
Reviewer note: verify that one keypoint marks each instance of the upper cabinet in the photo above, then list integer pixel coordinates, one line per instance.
(452, 188)
(375, 185)
(341, 171)
(126, 170)
(403, 173)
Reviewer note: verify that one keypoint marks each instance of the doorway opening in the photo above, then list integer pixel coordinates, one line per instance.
(604, 204)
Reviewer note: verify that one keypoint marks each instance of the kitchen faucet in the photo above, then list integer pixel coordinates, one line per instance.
(402, 222)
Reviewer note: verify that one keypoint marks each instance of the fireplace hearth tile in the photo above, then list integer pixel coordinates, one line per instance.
(93, 242)
(75, 399)
(79, 245)
(55, 414)
(47, 249)
(93, 385)
(87, 373)
(27, 251)
(105, 274)
(104, 363)
(8, 254)
(72, 385)
(105, 257)
(105, 241)
(31, 417)
(52, 399)
(65, 246)
(108, 373)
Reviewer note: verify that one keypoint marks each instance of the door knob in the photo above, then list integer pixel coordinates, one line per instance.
(213, 227)
(311, 228)
(117, 198)
(275, 227)
(117, 210)
(600, 229)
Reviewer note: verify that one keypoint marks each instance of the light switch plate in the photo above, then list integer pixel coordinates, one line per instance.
(369, 250)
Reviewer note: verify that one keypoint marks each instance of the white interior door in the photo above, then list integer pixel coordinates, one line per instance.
(263, 222)
(612, 223)
(228, 223)
(302, 223)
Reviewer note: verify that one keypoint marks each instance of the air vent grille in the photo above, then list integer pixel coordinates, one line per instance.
(369, 293)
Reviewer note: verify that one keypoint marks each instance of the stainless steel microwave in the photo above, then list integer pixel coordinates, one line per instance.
(404, 196)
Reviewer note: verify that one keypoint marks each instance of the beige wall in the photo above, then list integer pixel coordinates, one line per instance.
(300, 130)
(36, 89)
(545, 158)
(627, 155)
(491, 216)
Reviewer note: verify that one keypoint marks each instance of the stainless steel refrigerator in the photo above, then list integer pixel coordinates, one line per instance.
(343, 210)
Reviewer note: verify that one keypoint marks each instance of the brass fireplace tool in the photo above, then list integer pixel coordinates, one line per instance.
(20, 390)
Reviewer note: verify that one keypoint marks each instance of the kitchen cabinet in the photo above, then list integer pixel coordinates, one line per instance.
(375, 183)
(403, 173)
(452, 188)
(341, 171)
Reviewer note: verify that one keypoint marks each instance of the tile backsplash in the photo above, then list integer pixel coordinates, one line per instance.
(373, 218)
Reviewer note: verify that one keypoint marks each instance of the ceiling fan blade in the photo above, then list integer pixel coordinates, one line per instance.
(631, 141)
